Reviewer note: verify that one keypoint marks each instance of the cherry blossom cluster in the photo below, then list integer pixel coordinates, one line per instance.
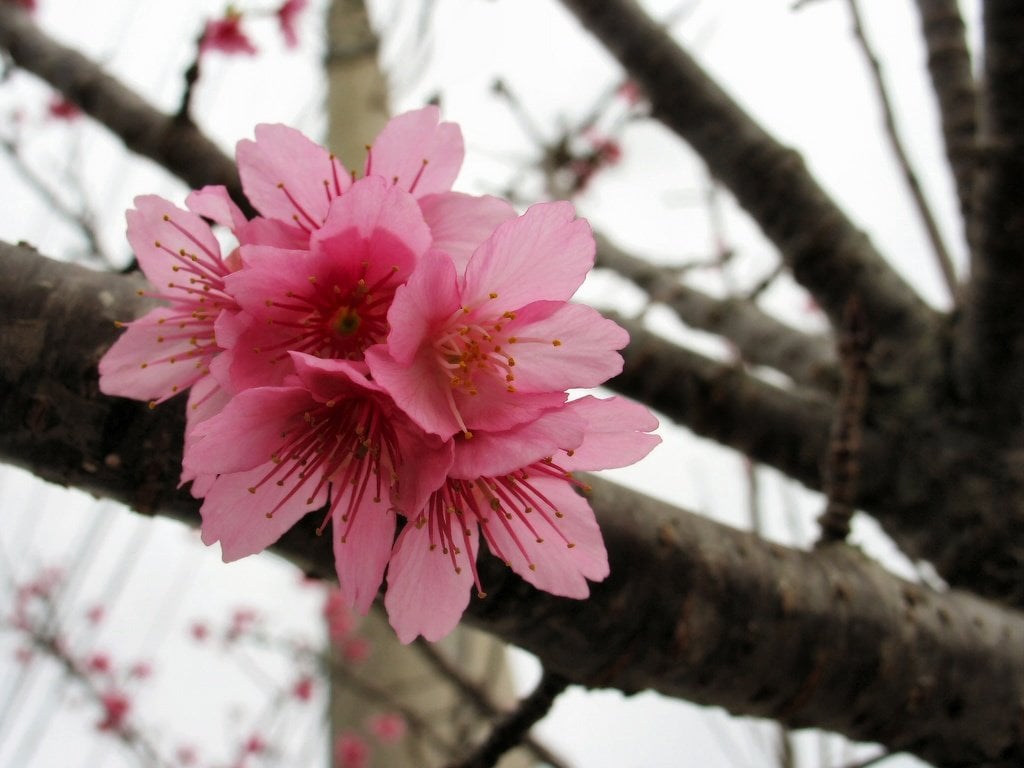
(389, 352)
(227, 35)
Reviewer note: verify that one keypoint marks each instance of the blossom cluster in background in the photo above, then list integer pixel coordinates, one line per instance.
(388, 351)
(227, 35)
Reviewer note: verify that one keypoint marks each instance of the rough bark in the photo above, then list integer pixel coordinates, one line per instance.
(991, 349)
(826, 253)
(949, 64)
(693, 609)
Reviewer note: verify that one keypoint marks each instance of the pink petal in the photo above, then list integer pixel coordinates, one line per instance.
(148, 363)
(261, 231)
(214, 203)
(248, 431)
(416, 153)
(494, 408)
(490, 454)
(575, 347)
(417, 388)
(205, 400)
(333, 379)
(558, 568)
(289, 177)
(461, 223)
(617, 434)
(425, 595)
(543, 255)
(238, 519)
(428, 299)
(381, 224)
(361, 558)
(159, 231)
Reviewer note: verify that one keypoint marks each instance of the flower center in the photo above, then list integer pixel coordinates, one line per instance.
(345, 321)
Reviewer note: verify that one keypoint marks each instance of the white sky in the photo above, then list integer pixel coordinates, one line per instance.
(799, 73)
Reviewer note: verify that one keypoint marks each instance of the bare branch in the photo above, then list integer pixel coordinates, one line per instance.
(786, 429)
(824, 250)
(761, 339)
(511, 731)
(990, 354)
(177, 145)
(949, 63)
(924, 210)
(693, 609)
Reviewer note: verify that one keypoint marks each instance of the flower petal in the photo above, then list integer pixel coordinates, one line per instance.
(617, 434)
(214, 203)
(147, 362)
(248, 431)
(557, 567)
(461, 223)
(160, 232)
(239, 519)
(426, 595)
(362, 549)
(544, 254)
(574, 346)
(285, 175)
(416, 153)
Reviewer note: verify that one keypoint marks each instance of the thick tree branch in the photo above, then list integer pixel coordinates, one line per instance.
(824, 250)
(177, 145)
(990, 354)
(693, 609)
(949, 64)
(760, 339)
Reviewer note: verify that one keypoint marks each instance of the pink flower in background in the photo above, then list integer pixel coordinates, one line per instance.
(388, 727)
(351, 751)
(62, 109)
(287, 15)
(116, 707)
(226, 35)
(499, 344)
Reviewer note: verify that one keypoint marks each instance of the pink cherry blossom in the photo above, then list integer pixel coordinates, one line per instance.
(388, 727)
(226, 35)
(351, 751)
(332, 300)
(287, 16)
(495, 346)
(332, 434)
(116, 706)
(508, 490)
(171, 348)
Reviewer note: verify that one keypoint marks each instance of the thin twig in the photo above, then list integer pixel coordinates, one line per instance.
(842, 468)
(510, 732)
(903, 160)
(477, 698)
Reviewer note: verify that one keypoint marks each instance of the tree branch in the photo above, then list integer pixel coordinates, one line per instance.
(177, 145)
(824, 250)
(785, 429)
(761, 339)
(693, 609)
(949, 64)
(990, 354)
(924, 210)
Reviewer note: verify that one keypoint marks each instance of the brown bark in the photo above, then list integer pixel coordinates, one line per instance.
(991, 344)
(949, 64)
(693, 609)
